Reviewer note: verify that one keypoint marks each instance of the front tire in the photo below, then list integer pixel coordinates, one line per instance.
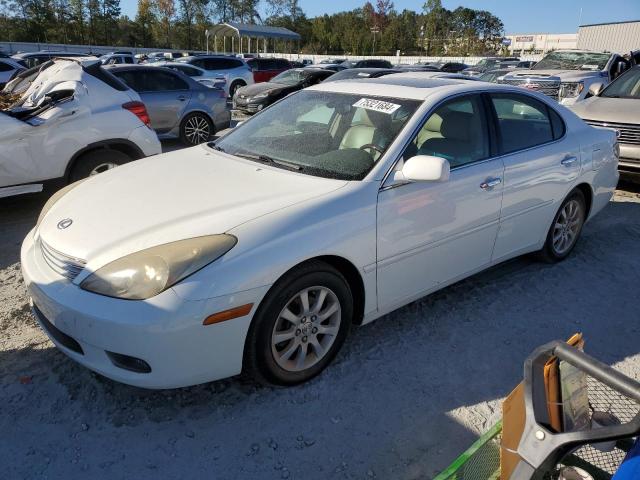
(300, 326)
(196, 128)
(565, 229)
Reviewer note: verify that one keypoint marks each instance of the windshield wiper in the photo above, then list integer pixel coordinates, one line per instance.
(268, 160)
(216, 147)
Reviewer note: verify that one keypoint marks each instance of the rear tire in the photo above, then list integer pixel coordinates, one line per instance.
(196, 128)
(565, 229)
(97, 161)
(289, 343)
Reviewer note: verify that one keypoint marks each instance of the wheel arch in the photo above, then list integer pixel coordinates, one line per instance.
(587, 191)
(121, 145)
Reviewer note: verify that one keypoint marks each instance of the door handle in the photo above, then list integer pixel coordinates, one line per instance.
(490, 183)
(182, 98)
(568, 161)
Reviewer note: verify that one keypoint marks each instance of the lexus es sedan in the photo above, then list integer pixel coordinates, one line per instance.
(330, 208)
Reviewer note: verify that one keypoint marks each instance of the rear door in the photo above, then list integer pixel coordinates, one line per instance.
(541, 163)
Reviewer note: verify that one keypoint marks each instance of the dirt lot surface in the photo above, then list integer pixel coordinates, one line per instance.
(404, 397)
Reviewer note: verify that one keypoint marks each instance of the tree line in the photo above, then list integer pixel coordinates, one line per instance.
(374, 29)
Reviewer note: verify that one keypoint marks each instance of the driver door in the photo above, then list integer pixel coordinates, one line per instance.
(430, 234)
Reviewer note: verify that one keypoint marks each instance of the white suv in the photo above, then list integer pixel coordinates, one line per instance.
(235, 71)
(74, 120)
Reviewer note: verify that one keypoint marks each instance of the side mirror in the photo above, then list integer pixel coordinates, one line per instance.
(595, 89)
(425, 168)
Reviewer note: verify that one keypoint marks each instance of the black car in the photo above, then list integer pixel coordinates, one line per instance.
(373, 63)
(358, 73)
(453, 67)
(253, 98)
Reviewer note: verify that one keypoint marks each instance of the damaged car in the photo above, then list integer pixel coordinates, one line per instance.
(67, 120)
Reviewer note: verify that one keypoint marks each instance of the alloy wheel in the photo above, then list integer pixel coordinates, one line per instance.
(197, 130)
(306, 328)
(567, 227)
(103, 167)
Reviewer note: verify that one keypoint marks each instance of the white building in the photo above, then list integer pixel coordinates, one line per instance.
(619, 37)
(537, 43)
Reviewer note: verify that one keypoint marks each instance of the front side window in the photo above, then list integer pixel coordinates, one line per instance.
(326, 134)
(456, 131)
(524, 122)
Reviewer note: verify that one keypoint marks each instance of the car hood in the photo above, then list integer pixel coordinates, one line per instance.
(175, 196)
(563, 75)
(256, 88)
(603, 109)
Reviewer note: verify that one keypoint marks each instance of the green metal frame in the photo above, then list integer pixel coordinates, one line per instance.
(459, 462)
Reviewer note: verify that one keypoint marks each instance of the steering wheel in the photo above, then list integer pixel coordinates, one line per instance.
(372, 146)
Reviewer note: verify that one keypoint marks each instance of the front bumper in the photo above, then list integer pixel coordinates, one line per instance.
(629, 158)
(249, 105)
(165, 331)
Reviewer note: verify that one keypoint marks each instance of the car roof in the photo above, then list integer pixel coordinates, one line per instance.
(403, 85)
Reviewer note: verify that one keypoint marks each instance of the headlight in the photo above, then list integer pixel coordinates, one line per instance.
(571, 89)
(54, 198)
(260, 96)
(146, 273)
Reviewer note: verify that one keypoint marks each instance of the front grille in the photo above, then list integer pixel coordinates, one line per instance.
(63, 264)
(627, 132)
(551, 88)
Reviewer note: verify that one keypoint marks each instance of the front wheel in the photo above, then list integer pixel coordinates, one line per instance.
(565, 229)
(300, 326)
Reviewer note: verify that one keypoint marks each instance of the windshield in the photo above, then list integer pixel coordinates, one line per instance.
(573, 61)
(290, 77)
(486, 63)
(326, 134)
(625, 86)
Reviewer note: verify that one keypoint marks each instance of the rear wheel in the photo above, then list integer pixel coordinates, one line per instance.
(565, 229)
(300, 326)
(97, 161)
(196, 128)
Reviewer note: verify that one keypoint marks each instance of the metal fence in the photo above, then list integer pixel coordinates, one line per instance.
(16, 47)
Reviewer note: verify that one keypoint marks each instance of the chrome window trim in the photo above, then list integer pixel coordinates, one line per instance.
(430, 112)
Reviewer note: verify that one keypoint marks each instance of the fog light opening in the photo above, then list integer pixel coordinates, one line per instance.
(127, 362)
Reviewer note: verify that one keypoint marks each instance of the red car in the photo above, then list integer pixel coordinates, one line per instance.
(264, 69)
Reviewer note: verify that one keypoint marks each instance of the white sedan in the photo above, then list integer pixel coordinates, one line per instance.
(330, 208)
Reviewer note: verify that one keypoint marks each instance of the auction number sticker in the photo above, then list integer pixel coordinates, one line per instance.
(377, 105)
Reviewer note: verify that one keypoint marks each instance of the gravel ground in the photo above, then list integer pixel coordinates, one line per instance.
(404, 397)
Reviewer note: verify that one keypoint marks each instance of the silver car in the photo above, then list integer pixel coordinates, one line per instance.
(617, 106)
(178, 106)
(235, 71)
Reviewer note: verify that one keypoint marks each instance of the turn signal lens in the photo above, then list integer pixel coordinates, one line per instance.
(228, 314)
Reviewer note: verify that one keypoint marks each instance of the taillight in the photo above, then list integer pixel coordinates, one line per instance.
(139, 110)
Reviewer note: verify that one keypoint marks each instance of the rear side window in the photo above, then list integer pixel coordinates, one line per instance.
(158, 81)
(281, 64)
(523, 122)
(128, 59)
(192, 72)
(220, 63)
(134, 79)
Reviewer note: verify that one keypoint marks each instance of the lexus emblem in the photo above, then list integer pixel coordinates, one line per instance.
(65, 223)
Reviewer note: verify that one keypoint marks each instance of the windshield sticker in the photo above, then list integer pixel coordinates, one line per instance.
(376, 105)
(590, 67)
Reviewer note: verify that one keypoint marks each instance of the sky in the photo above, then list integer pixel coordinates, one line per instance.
(537, 16)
